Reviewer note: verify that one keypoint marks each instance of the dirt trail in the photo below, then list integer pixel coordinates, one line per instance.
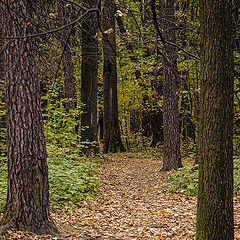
(135, 205)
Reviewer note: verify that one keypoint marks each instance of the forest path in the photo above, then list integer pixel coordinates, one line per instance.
(134, 205)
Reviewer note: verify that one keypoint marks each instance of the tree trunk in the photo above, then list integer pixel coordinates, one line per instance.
(215, 143)
(1, 44)
(69, 80)
(27, 206)
(2, 97)
(171, 154)
(89, 76)
(111, 131)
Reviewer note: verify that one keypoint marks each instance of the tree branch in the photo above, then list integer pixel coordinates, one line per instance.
(161, 36)
(54, 30)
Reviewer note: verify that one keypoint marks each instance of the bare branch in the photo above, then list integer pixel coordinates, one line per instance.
(162, 38)
(57, 29)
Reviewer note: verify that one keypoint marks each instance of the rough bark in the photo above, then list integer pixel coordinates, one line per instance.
(1, 44)
(89, 76)
(111, 131)
(215, 142)
(2, 97)
(171, 154)
(27, 206)
(69, 80)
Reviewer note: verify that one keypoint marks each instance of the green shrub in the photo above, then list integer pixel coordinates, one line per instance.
(59, 125)
(3, 184)
(186, 180)
(72, 176)
(69, 180)
(237, 176)
(72, 181)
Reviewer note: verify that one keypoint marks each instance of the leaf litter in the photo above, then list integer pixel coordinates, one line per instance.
(134, 204)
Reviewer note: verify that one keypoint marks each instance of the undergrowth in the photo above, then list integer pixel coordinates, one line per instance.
(185, 180)
(71, 181)
(73, 177)
(147, 153)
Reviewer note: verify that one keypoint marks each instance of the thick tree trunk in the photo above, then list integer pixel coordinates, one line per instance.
(27, 206)
(171, 155)
(89, 76)
(2, 97)
(111, 131)
(69, 80)
(215, 143)
(1, 44)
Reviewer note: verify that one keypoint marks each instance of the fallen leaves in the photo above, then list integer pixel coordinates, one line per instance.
(135, 204)
(237, 235)
(109, 31)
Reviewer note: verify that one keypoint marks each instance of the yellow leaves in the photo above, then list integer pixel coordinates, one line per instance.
(237, 235)
(106, 206)
(162, 211)
(187, 214)
(89, 221)
(97, 36)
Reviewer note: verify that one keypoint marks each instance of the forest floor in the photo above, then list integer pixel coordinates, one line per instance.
(134, 204)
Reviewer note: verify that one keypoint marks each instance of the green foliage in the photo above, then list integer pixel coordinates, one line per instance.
(237, 176)
(188, 148)
(3, 183)
(70, 180)
(147, 153)
(59, 124)
(3, 148)
(186, 179)
(72, 176)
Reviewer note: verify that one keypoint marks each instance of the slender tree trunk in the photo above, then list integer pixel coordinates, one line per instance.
(89, 76)
(27, 206)
(171, 155)
(215, 142)
(111, 131)
(69, 80)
